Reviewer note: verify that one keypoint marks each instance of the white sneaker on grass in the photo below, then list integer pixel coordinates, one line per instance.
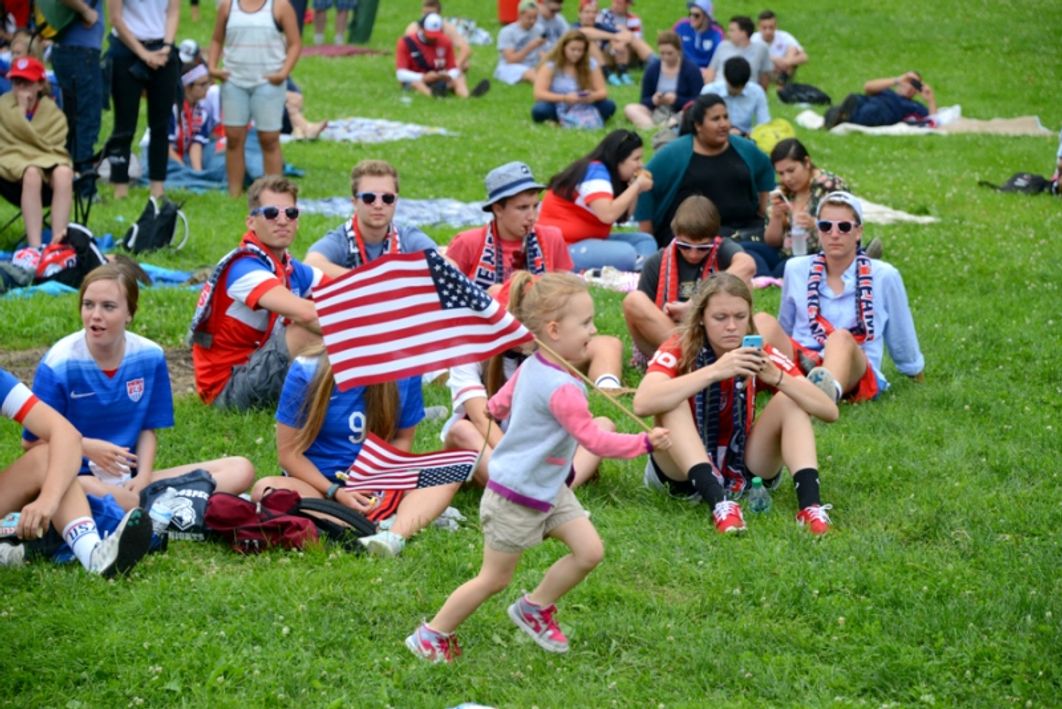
(385, 544)
(12, 554)
(122, 549)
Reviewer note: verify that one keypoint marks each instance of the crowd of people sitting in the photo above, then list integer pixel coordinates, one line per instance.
(710, 212)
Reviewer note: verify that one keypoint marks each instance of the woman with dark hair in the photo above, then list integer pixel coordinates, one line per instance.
(320, 432)
(569, 83)
(701, 385)
(707, 160)
(794, 204)
(593, 193)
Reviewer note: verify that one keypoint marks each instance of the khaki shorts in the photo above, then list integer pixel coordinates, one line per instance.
(512, 528)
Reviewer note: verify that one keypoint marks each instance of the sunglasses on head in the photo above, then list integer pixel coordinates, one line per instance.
(271, 213)
(686, 246)
(825, 225)
(370, 197)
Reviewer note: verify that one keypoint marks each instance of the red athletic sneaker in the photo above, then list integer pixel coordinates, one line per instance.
(537, 621)
(728, 517)
(432, 646)
(815, 518)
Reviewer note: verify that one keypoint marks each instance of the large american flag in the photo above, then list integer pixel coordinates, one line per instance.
(406, 314)
(381, 466)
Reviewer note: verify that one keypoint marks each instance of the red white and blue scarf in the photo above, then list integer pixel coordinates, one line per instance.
(730, 463)
(490, 267)
(820, 326)
(667, 286)
(356, 253)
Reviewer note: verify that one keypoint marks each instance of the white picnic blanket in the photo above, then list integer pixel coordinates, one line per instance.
(948, 120)
(373, 130)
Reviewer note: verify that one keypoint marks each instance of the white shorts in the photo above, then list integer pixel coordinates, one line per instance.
(510, 73)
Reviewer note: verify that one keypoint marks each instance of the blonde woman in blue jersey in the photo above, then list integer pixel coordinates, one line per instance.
(114, 387)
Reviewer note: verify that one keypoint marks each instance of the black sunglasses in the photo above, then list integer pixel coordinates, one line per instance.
(271, 213)
(370, 197)
(825, 225)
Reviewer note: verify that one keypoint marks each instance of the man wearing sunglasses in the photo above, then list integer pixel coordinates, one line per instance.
(701, 35)
(253, 311)
(840, 309)
(672, 274)
(370, 232)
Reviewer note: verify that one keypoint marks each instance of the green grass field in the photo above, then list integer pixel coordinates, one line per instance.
(939, 585)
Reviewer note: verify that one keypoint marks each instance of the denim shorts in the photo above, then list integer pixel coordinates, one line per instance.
(323, 5)
(263, 103)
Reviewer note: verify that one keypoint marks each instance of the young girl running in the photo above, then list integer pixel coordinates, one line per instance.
(40, 486)
(702, 384)
(527, 497)
(114, 387)
(473, 384)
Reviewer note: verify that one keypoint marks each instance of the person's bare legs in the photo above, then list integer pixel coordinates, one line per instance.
(91, 485)
(233, 474)
(272, 157)
(566, 573)
(605, 357)
(20, 484)
(32, 205)
(782, 434)
(647, 324)
(639, 115)
(844, 359)
(235, 169)
(464, 434)
(62, 182)
(420, 87)
(773, 334)
(421, 507)
(340, 37)
(459, 86)
(494, 576)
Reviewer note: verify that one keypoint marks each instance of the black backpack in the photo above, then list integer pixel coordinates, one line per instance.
(1024, 182)
(69, 260)
(156, 227)
(802, 93)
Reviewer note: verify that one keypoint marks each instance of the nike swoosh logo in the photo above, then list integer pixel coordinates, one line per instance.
(81, 394)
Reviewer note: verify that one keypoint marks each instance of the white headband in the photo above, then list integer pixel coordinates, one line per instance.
(196, 72)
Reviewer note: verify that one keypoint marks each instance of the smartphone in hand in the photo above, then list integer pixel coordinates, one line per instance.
(752, 341)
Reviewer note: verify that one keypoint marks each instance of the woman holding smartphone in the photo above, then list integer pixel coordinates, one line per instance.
(701, 384)
(568, 83)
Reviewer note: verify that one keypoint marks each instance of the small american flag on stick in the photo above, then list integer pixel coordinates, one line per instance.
(381, 466)
(406, 314)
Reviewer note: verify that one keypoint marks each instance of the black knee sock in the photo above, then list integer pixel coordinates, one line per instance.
(806, 482)
(704, 481)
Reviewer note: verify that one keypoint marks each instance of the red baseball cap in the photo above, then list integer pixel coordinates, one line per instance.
(28, 68)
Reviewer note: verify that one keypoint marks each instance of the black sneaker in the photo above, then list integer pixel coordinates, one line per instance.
(121, 551)
(841, 114)
(481, 88)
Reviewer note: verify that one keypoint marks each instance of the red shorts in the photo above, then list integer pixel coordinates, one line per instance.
(866, 388)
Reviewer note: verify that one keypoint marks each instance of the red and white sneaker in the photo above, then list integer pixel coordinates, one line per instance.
(433, 646)
(814, 517)
(728, 517)
(537, 621)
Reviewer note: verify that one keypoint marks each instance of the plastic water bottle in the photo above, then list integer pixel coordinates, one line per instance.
(799, 243)
(759, 497)
(161, 511)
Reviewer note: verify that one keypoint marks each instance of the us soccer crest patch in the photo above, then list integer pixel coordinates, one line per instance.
(135, 389)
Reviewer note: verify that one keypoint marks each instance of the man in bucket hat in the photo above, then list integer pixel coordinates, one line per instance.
(512, 241)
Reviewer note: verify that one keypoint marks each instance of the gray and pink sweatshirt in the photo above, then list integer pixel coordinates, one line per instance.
(549, 421)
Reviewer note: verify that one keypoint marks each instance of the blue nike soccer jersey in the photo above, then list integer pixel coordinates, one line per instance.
(344, 427)
(114, 409)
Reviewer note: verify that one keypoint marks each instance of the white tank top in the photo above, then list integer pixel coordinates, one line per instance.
(254, 47)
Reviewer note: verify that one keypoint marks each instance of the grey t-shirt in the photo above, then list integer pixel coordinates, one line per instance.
(689, 274)
(515, 37)
(554, 29)
(333, 245)
(756, 54)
